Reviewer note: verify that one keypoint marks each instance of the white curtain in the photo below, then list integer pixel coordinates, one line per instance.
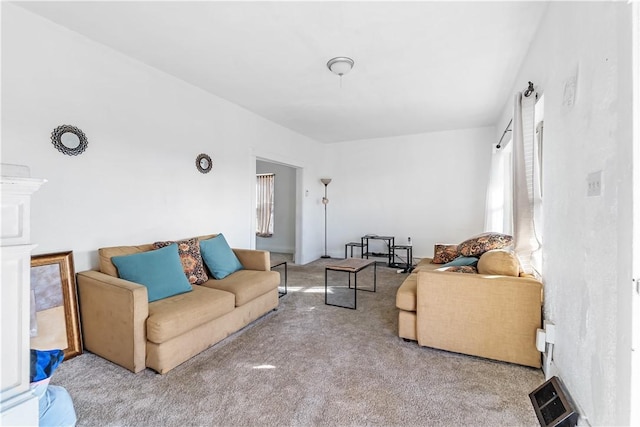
(525, 163)
(264, 205)
(498, 202)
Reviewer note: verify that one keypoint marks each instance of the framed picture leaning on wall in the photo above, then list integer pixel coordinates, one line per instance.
(55, 321)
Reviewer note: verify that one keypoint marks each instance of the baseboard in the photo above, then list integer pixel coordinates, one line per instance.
(554, 371)
(277, 249)
(553, 368)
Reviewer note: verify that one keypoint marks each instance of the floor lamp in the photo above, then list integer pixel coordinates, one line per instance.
(325, 202)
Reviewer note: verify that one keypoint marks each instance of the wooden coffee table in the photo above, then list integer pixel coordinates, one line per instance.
(350, 265)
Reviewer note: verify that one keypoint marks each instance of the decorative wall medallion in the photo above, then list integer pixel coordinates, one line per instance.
(69, 140)
(204, 163)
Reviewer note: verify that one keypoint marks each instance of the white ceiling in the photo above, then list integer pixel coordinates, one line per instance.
(419, 66)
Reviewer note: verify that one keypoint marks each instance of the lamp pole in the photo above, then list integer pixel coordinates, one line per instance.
(325, 202)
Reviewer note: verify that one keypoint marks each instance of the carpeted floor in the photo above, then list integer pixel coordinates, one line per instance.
(309, 364)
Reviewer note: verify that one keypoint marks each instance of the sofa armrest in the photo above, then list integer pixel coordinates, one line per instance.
(114, 313)
(484, 315)
(252, 259)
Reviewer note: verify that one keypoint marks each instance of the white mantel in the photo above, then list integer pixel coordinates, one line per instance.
(18, 406)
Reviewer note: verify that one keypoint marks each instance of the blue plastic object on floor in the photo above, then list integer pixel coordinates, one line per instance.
(55, 404)
(44, 362)
(56, 408)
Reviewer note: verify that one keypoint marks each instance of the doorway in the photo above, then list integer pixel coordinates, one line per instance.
(635, 249)
(283, 240)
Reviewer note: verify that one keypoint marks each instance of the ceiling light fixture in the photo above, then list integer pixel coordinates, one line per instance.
(340, 65)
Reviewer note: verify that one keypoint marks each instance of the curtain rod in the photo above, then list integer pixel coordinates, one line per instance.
(504, 133)
(527, 93)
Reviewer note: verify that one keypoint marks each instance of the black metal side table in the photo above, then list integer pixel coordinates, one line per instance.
(389, 241)
(362, 246)
(406, 266)
(281, 294)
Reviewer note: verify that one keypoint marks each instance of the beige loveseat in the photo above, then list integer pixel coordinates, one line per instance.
(119, 324)
(488, 315)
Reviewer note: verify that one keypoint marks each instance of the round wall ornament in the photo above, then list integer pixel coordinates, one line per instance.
(204, 163)
(69, 140)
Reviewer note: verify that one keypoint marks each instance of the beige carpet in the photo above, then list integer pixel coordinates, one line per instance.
(309, 364)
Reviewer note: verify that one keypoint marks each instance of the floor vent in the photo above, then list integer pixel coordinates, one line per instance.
(553, 405)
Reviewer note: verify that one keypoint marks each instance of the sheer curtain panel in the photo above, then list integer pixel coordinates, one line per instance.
(499, 198)
(526, 242)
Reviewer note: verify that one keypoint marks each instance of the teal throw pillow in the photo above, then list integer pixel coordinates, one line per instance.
(219, 257)
(462, 261)
(159, 270)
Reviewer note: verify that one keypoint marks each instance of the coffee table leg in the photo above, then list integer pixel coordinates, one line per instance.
(325, 285)
(375, 276)
(355, 289)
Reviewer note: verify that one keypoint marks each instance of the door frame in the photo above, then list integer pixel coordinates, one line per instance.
(635, 248)
(299, 175)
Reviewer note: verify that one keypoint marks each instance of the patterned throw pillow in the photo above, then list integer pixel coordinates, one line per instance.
(477, 245)
(191, 258)
(443, 253)
(460, 269)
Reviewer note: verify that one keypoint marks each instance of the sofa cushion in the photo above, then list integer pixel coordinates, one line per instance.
(477, 245)
(219, 257)
(470, 269)
(499, 261)
(171, 317)
(160, 271)
(105, 255)
(462, 260)
(406, 294)
(191, 258)
(246, 285)
(443, 253)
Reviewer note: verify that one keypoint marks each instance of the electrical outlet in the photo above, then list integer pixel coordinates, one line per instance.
(541, 340)
(550, 331)
(594, 184)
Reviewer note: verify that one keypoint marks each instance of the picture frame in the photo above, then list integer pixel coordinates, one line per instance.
(55, 320)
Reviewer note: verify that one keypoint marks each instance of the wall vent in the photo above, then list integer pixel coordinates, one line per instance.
(553, 405)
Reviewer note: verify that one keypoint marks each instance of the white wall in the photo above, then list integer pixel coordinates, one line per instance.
(137, 181)
(430, 187)
(587, 247)
(284, 238)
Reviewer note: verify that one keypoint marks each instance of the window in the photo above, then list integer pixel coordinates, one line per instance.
(264, 204)
(499, 201)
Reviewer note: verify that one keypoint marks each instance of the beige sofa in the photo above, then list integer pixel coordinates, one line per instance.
(487, 315)
(119, 324)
